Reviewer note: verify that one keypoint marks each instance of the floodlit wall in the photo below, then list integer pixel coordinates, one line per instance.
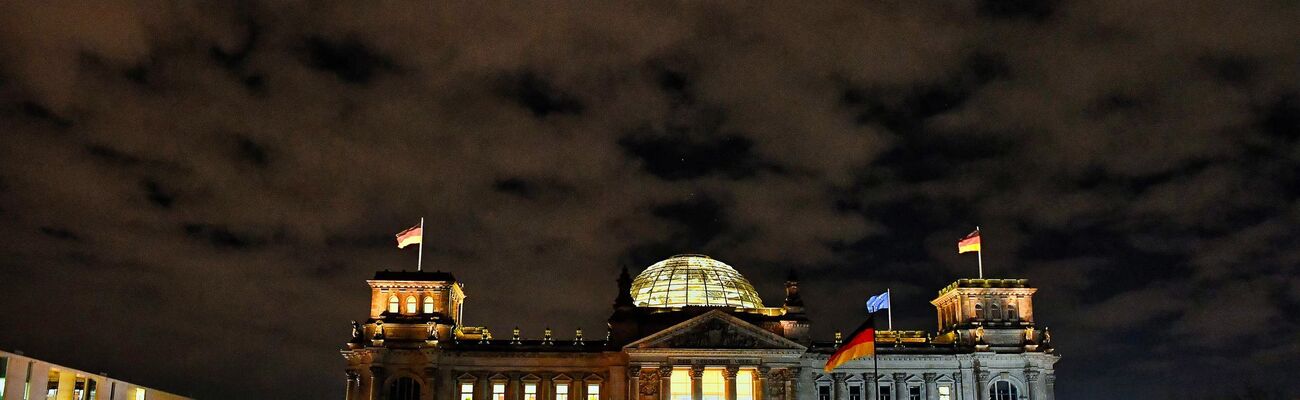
(72, 384)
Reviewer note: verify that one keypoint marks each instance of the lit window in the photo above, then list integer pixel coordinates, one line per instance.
(52, 385)
(945, 392)
(410, 305)
(4, 372)
(681, 384)
(855, 392)
(498, 391)
(593, 391)
(27, 386)
(561, 391)
(428, 305)
(913, 393)
(139, 393)
(530, 391)
(393, 306)
(886, 393)
(745, 385)
(713, 386)
(467, 391)
(823, 392)
(1003, 390)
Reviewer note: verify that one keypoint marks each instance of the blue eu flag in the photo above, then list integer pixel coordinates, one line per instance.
(878, 302)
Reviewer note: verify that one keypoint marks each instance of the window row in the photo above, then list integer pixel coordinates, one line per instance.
(712, 383)
(412, 305)
(886, 392)
(561, 391)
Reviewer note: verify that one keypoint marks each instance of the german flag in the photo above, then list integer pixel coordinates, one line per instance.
(969, 243)
(861, 343)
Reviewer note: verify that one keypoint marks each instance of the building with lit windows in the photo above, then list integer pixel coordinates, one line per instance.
(693, 328)
(26, 378)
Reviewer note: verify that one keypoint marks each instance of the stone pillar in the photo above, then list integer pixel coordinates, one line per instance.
(957, 387)
(931, 386)
(430, 389)
(665, 382)
(869, 380)
(353, 385)
(837, 386)
(697, 382)
(900, 386)
(376, 386)
(1033, 388)
(633, 383)
(615, 387)
(792, 384)
(760, 382)
(981, 384)
(1050, 381)
(729, 382)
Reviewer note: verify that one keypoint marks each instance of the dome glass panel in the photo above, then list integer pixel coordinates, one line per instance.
(693, 280)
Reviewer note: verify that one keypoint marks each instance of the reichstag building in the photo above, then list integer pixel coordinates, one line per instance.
(693, 328)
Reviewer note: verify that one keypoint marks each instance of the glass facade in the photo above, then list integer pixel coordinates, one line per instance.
(681, 384)
(745, 385)
(593, 391)
(712, 384)
(693, 280)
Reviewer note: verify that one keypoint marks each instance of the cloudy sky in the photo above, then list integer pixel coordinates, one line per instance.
(193, 193)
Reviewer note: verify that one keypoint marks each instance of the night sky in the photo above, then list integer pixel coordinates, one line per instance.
(193, 193)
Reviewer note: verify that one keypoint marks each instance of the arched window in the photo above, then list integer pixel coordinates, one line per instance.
(979, 311)
(404, 389)
(1011, 313)
(995, 313)
(411, 307)
(1003, 390)
(392, 304)
(428, 305)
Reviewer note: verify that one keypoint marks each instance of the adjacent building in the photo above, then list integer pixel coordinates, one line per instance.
(26, 378)
(693, 328)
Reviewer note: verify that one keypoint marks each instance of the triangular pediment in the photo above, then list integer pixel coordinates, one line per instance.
(715, 330)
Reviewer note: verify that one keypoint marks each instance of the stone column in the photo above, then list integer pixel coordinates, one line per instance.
(665, 382)
(729, 382)
(633, 383)
(616, 384)
(353, 385)
(760, 382)
(981, 385)
(787, 385)
(900, 386)
(697, 382)
(957, 389)
(931, 386)
(837, 386)
(869, 380)
(1031, 380)
(377, 378)
(430, 389)
(1050, 381)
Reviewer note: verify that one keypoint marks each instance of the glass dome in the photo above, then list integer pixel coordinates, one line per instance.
(693, 280)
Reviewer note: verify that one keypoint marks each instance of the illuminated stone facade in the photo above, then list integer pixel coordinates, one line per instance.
(692, 328)
(23, 377)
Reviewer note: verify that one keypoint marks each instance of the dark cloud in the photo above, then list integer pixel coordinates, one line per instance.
(194, 170)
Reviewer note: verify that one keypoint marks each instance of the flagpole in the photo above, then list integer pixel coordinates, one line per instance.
(890, 308)
(979, 253)
(419, 262)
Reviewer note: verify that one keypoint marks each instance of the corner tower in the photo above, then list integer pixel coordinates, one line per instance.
(987, 312)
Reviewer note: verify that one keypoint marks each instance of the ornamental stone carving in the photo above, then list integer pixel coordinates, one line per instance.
(649, 382)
